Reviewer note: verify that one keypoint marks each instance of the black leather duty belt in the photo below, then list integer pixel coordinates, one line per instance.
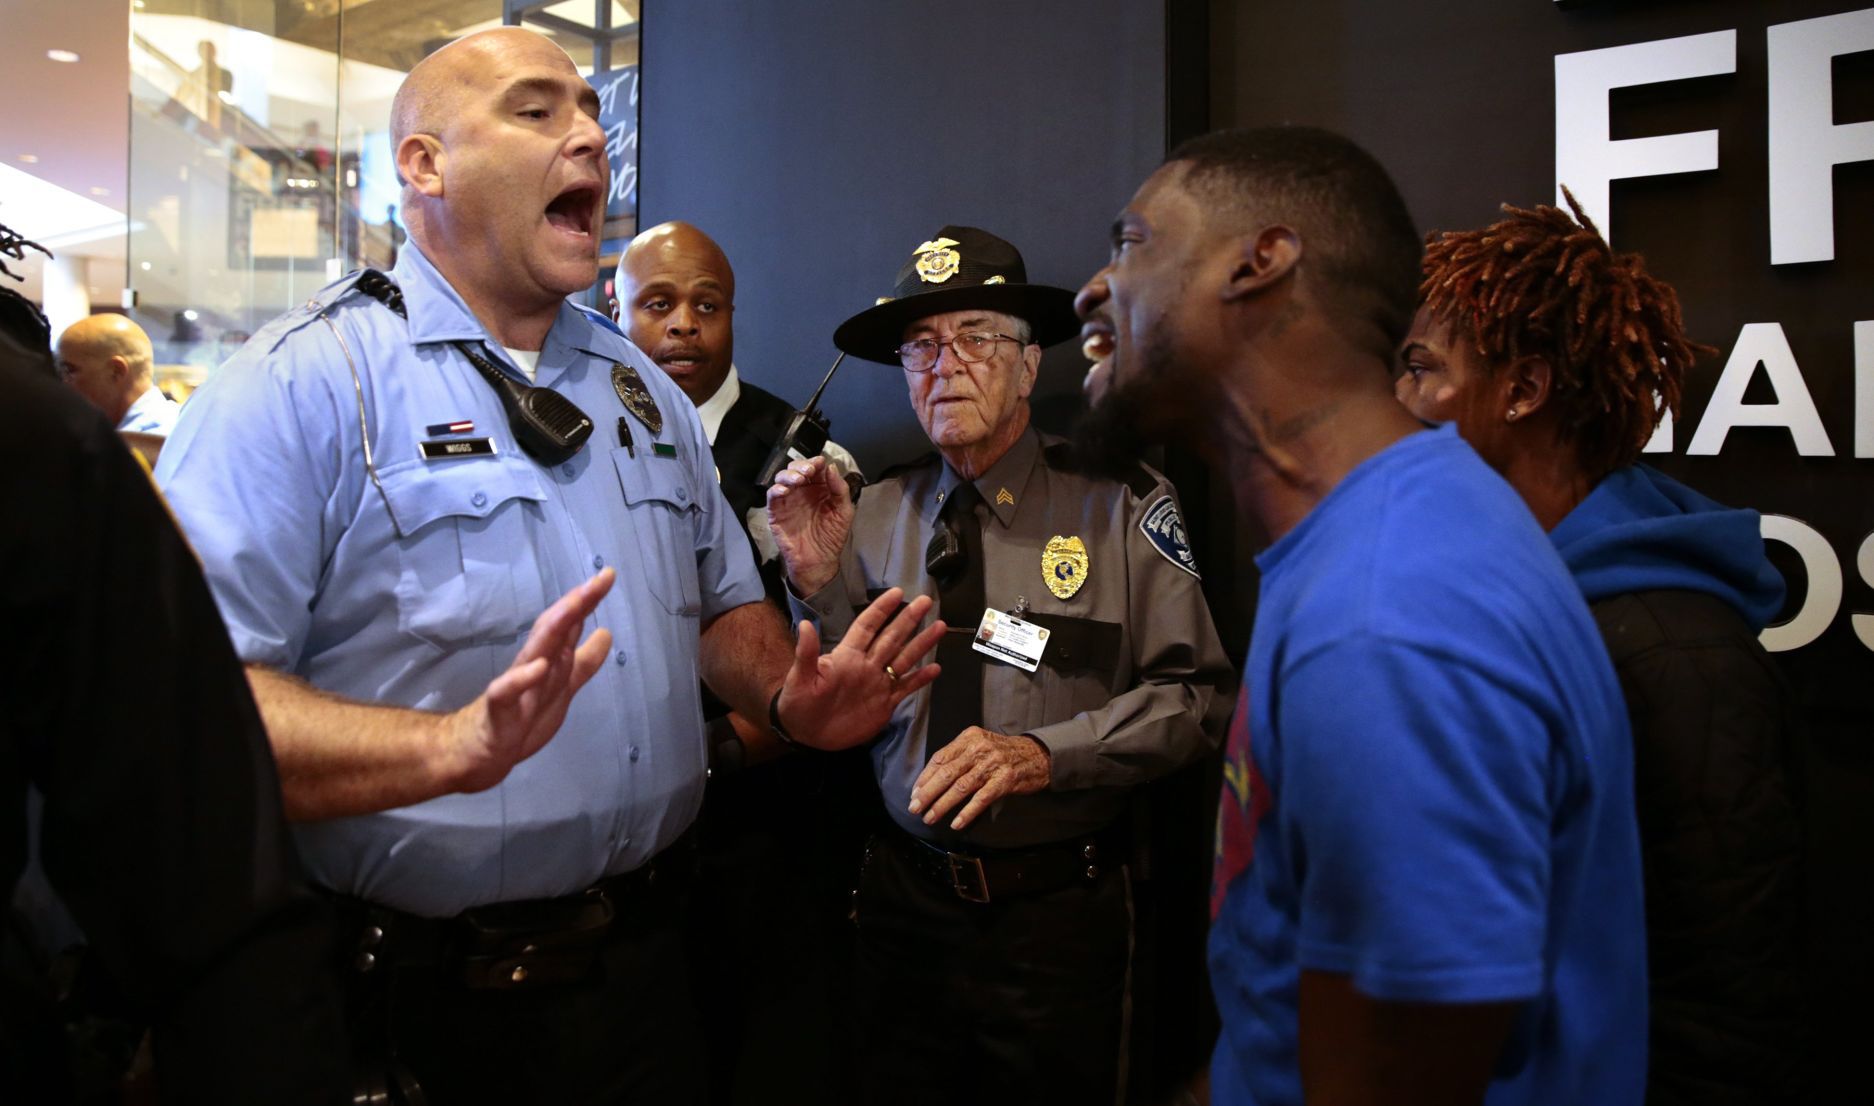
(986, 877)
(518, 945)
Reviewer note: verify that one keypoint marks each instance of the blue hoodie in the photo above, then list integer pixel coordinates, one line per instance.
(1641, 530)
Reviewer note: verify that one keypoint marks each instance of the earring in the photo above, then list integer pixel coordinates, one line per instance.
(1511, 416)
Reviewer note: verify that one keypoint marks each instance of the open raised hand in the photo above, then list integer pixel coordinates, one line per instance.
(844, 698)
(524, 706)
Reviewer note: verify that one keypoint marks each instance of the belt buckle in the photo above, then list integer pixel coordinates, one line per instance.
(966, 877)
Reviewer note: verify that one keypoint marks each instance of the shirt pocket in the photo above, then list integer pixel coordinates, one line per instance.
(661, 512)
(469, 564)
(1080, 666)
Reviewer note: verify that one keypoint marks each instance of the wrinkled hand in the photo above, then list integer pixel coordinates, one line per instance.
(981, 766)
(810, 512)
(524, 706)
(844, 698)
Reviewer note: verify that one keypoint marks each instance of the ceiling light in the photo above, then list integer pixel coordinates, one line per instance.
(190, 315)
(30, 159)
(65, 56)
(146, 266)
(96, 191)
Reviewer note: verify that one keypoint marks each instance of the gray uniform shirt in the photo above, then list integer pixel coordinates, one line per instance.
(1134, 682)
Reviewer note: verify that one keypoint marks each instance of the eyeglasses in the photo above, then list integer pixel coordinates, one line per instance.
(971, 347)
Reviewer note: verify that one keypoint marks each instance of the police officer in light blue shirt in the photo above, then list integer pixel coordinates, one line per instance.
(386, 538)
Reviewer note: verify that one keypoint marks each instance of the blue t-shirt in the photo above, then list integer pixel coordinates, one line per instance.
(1429, 788)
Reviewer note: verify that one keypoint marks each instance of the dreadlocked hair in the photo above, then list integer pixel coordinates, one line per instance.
(21, 322)
(13, 244)
(1540, 283)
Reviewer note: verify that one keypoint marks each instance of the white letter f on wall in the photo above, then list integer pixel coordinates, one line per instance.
(1586, 158)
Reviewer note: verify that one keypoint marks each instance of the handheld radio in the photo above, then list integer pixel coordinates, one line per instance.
(805, 435)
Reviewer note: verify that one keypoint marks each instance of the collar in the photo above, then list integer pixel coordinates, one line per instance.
(439, 314)
(715, 407)
(150, 401)
(1004, 484)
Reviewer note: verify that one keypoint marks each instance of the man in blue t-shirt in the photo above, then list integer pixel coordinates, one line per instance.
(1427, 882)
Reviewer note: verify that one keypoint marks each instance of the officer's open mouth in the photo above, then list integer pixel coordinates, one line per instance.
(572, 210)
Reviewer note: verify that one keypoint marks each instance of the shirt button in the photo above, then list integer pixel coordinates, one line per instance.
(621, 657)
(567, 468)
(480, 499)
(634, 754)
(683, 495)
(598, 561)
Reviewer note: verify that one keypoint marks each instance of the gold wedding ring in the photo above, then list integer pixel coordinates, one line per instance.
(892, 673)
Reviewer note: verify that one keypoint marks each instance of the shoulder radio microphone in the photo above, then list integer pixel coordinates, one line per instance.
(549, 427)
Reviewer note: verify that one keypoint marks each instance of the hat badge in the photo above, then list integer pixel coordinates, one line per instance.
(936, 261)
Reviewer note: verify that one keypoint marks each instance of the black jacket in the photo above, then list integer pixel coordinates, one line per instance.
(747, 435)
(1720, 843)
(1680, 587)
(123, 703)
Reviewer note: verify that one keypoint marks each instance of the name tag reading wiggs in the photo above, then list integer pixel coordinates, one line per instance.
(1007, 638)
(448, 449)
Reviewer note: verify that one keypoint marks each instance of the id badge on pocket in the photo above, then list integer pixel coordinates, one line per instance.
(1009, 639)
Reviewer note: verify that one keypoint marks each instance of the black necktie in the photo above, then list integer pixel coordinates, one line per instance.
(957, 696)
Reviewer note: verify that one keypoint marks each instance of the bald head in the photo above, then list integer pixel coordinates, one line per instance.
(502, 159)
(107, 359)
(442, 84)
(675, 241)
(676, 300)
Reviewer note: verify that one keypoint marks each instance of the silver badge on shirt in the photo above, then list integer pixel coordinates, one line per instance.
(636, 397)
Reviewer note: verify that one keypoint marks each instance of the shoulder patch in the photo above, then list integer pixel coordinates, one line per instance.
(1162, 526)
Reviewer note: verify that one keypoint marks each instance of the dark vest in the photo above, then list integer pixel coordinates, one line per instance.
(748, 432)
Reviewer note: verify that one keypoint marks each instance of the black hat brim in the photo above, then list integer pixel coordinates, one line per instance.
(875, 333)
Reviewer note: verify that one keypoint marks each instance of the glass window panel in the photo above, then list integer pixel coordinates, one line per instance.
(260, 155)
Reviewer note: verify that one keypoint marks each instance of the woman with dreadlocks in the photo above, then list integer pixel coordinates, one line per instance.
(1557, 357)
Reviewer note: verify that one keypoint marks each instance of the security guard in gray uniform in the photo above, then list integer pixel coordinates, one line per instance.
(1081, 662)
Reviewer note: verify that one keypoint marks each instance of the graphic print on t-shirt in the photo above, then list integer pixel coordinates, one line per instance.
(1240, 807)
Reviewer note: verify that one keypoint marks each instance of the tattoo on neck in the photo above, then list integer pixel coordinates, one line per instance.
(1294, 426)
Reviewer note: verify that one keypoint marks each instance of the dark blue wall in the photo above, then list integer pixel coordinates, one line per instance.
(819, 143)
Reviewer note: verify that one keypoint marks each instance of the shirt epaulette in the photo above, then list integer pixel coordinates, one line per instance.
(1062, 457)
(324, 299)
(602, 319)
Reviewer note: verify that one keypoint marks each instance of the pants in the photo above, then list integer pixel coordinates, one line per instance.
(624, 1033)
(1016, 1000)
(771, 945)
